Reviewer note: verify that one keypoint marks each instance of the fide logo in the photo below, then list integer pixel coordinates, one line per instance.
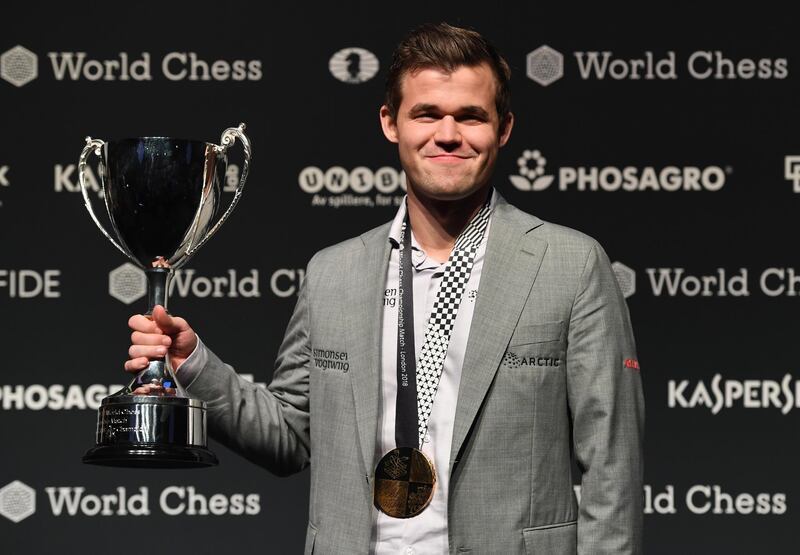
(17, 501)
(19, 66)
(353, 65)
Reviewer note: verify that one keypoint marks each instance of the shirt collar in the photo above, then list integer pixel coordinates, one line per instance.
(399, 218)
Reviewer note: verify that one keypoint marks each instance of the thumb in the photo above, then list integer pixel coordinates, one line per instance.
(167, 324)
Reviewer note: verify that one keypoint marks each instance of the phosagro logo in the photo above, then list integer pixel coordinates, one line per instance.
(17, 501)
(54, 396)
(533, 177)
(335, 187)
(353, 65)
(127, 283)
(19, 66)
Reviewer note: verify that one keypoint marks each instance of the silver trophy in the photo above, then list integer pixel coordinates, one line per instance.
(162, 196)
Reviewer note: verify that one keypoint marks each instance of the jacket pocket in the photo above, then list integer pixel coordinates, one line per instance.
(552, 539)
(526, 334)
(311, 536)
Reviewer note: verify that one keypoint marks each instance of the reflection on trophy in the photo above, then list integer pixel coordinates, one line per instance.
(162, 196)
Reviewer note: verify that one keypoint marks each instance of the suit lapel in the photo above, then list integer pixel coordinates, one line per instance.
(512, 260)
(365, 298)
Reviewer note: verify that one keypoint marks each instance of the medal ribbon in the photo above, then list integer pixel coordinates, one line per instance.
(418, 381)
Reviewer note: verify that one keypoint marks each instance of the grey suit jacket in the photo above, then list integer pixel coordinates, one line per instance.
(544, 380)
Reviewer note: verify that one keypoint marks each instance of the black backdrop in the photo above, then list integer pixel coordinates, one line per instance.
(719, 362)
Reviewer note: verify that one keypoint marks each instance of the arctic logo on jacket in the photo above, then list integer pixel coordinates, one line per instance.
(512, 360)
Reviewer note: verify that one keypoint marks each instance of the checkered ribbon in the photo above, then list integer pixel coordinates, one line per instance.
(443, 317)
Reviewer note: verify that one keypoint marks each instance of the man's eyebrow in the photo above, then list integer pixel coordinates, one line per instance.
(463, 111)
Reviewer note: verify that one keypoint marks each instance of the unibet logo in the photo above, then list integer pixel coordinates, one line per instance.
(19, 66)
(545, 65)
(337, 180)
(626, 278)
(353, 65)
(532, 177)
(335, 186)
(791, 171)
(17, 501)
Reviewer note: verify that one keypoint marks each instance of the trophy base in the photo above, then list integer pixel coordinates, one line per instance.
(150, 456)
(147, 431)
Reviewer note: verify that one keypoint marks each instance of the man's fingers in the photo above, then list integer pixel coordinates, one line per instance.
(167, 323)
(136, 364)
(137, 322)
(139, 338)
(147, 351)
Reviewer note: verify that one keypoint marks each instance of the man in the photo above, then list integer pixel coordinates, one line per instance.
(499, 341)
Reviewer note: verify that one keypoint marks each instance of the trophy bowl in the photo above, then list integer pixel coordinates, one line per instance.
(162, 197)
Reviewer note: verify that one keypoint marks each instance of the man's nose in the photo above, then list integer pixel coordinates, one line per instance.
(447, 131)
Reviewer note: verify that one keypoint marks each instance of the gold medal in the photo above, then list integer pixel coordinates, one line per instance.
(404, 482)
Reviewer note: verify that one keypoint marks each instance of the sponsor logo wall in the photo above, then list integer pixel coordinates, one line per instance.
(676, 150)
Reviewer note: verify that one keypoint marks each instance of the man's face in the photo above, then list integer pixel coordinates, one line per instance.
(448, 131)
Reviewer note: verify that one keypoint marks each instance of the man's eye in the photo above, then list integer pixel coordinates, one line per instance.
(426, 116)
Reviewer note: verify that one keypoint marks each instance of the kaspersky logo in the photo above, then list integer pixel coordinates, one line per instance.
(17, 501)
(19, 66)
(533, 176)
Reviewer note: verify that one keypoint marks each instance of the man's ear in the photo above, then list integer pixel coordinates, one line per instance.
(505, 128)
(388, 124)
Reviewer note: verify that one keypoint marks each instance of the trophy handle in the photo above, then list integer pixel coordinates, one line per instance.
(228, 139)
(95, 145)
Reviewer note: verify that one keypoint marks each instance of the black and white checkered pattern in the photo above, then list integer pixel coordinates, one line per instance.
(443, 317)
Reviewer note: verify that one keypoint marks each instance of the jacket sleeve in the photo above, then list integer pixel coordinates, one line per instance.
(271, 426)
(607, 411)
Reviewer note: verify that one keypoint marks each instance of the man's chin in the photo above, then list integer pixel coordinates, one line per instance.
(449, 192)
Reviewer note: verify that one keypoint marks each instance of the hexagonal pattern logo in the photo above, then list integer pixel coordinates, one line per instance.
(17, 501)
(19, 66)
(625, 277)
(545, 65)
(127, 283)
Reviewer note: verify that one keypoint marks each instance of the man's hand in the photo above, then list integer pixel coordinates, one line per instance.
(153, 339)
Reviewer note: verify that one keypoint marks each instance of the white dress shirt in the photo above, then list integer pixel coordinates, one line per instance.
(426, 533)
